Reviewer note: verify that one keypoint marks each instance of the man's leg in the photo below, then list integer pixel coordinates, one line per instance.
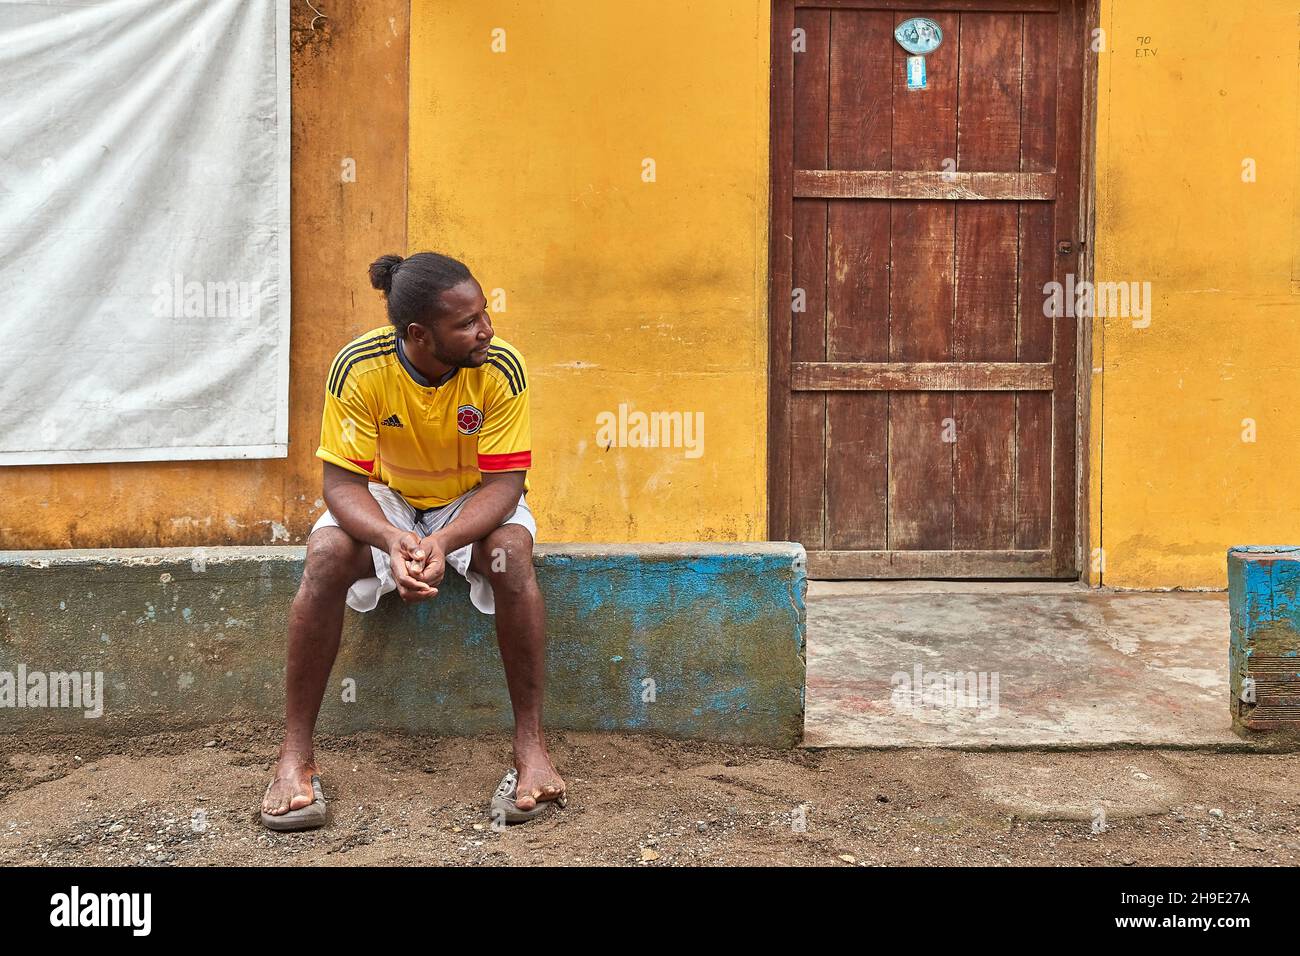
(334, 562)
(505, 558)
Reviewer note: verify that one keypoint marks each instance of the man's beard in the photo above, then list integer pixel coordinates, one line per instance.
(468, 361)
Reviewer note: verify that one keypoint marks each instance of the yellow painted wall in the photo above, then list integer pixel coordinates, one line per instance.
(349, 80)
(528, 164)
(1174, 484)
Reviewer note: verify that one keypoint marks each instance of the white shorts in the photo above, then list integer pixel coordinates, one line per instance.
(364, 595)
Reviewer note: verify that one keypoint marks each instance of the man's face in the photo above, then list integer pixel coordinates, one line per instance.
(460, 334)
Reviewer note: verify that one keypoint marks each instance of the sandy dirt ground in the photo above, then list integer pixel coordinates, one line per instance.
(189, 799)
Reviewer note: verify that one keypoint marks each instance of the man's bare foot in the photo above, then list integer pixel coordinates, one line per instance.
(538, 781)
(291, 785)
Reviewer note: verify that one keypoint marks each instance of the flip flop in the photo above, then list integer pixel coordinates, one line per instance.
(503, 801)
(304, 818)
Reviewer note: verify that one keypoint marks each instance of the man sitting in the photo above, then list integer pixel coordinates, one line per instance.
(426, 442)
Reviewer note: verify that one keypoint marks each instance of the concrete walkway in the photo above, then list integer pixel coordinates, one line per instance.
(1040, 665)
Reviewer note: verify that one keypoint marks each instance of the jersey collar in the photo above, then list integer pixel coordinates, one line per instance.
(416, 374)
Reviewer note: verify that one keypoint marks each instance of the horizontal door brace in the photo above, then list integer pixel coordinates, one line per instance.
(857, 565)
(921, 377)
(921, 184)
(936, 6)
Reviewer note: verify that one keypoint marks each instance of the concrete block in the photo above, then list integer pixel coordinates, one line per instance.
(1264, 654)
(700, 641)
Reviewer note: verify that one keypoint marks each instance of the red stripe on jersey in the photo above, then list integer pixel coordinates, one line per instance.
(513, 461)
(367, 464)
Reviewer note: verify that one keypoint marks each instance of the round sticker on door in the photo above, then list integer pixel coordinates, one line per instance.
(468, 419)
(919, 36)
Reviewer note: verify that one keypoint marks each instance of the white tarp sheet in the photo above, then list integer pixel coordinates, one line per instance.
(144, 230)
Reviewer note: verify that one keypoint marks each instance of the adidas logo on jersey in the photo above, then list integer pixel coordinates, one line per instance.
(392, 421)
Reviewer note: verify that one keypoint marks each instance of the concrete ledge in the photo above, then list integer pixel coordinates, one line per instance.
(700, 641)
(1264, 656)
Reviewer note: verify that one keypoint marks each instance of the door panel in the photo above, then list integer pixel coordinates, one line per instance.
(922, 404)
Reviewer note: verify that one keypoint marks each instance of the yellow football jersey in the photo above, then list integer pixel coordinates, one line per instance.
(429, 443)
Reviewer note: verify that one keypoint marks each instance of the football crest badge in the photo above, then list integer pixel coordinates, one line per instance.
(468, 420)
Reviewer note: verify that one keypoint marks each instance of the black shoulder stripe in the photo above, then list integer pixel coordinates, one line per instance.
(511, 359)
(354, 346)
(507, 372)
(361, 357)
(341, 360)
(513, 362)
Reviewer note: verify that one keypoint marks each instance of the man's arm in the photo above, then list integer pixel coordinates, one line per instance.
(504, 457)
(358, 513)
(483, 513)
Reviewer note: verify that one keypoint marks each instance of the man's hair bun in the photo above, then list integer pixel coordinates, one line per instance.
(381, 272)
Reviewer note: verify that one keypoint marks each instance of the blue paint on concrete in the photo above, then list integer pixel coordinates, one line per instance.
(1264, 646)
(712, 626)
(1264, 585)
(640, 712)
(648, 591)
(729, 700)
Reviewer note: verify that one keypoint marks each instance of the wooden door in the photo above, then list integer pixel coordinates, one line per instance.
(923, 407)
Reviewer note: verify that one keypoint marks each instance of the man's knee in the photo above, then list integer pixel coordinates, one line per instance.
(334, 560)
(507, 557)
